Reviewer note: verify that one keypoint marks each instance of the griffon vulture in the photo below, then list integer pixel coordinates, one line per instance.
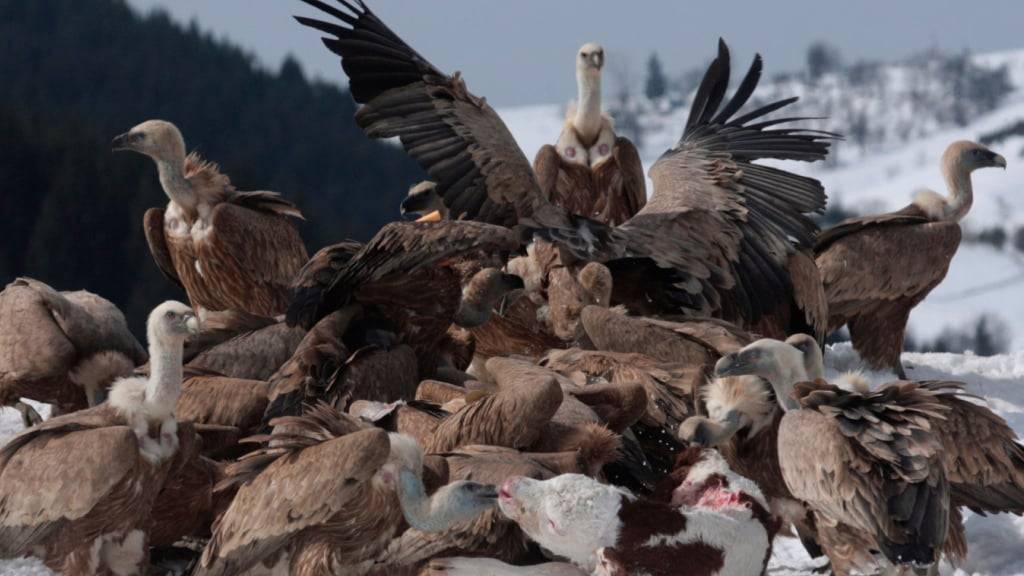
(877, 268)
(62, 348)
(909, 446)
(326, 495)
(77, 490)
(716, 236)
(591, 171)
(227, 249)
(406, 281)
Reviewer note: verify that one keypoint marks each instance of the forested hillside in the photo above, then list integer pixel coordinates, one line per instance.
(75, 73)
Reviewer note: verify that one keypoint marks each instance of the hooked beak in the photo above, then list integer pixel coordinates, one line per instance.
(434, 216)
(192, 323)
(1000, 161)
(122, 142)
(597, 59)
(732, 365)
(488, 492)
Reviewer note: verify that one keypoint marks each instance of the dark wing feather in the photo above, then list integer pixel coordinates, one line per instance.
(459, 140)
(153, 225)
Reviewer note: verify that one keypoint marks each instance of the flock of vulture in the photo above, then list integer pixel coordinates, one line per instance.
(549, 372)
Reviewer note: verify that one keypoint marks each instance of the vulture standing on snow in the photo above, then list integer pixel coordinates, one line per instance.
(227, 249)
(877, 268)
(62, 348)
(77, 490)
(591, 171)
(717, 235)
(890, 467)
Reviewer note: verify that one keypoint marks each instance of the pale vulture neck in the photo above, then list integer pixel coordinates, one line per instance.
(425, 514)
(165, 374)
(478, 300)
(961, 191)
(588, 108)
(783, 379)
(176, 186)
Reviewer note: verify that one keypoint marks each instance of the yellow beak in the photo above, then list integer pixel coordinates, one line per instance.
(434, 216)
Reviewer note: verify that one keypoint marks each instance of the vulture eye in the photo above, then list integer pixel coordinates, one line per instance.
(169, 314)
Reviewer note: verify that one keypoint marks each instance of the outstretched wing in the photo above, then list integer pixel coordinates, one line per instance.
(460, 141)
(766, 209)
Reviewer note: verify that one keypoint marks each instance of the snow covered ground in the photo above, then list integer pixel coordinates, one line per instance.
(996, 542)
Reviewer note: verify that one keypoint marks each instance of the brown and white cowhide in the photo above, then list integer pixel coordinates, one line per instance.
(718, 526)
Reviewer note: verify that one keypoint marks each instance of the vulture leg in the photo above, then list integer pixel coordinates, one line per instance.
(29, 416)
(878, 336)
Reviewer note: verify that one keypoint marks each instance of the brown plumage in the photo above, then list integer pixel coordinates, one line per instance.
(227, 249)
(876, 269)
(62, 348)
(212, 399)
(186, 504)
(404, 279)
(513, 416)
(253, 351)
(716, 235)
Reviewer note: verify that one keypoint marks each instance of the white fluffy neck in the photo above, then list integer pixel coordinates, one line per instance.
(425, 514)
(175, 185)
(164, 383)
(961, 191)
(588, 108)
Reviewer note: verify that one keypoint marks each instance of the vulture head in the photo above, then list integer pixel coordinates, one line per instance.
(969, 156)
(590, 59)
(453, 503)
(781, 364)
(596, 281)
(171, 323)
(423, 202)
(158, 139)
(482, 293)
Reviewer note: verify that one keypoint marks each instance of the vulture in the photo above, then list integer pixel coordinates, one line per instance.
(889, 467)
(716, 236)
(349, 489)
(61, 348)
(406, 281)
(875, 269)
(591, 171)
(603, 529)
(77, 490)
(239, 345)
(423, 203)
(227, 249)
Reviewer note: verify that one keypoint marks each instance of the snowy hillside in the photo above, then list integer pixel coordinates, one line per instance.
(996, 542)
(982, 279)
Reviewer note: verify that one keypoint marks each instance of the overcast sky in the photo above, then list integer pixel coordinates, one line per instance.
(521, 51)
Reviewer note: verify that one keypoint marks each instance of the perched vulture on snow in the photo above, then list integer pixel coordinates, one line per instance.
(877, 268)
(227, 249)
(591, 171)
(890, 466)
(717, 235)
(407, 282)
(62, 348)
(77, 490)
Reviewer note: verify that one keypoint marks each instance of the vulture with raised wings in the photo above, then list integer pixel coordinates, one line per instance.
(889, 466)
(717, 235)
(591, 171)
(227, 249)
(876, 269)
(77, 489)
(62, 348)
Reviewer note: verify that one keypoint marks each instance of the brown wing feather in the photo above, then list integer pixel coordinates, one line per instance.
(547, 166)
(621, 184)
(153, 226)
(223, 401)
(250, 258)
(320, 481)
(38, 496)
(460, 141)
